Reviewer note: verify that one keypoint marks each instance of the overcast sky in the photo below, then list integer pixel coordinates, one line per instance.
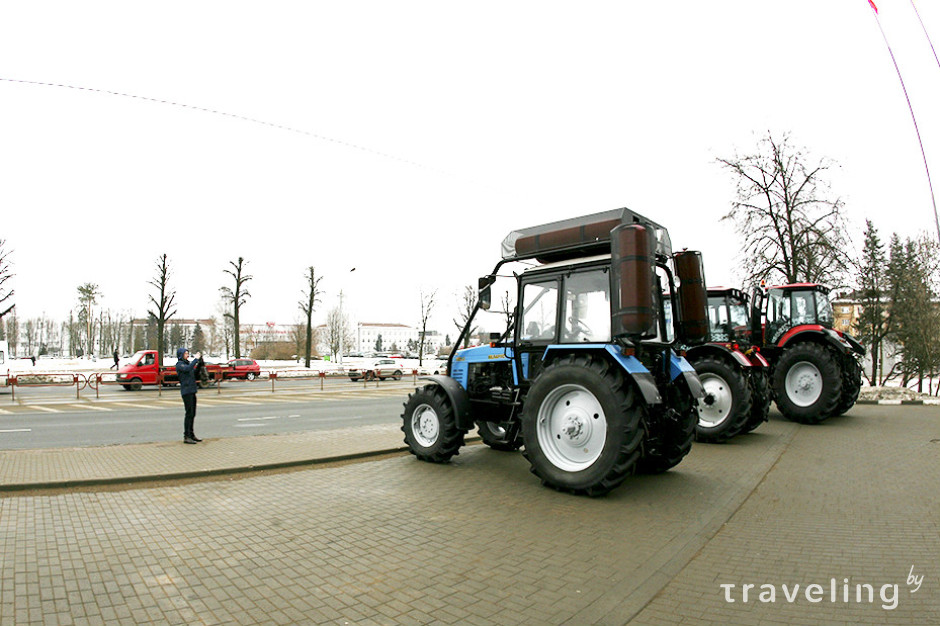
(406, 139)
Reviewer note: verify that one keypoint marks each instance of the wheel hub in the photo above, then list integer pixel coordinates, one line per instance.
(716, 407)
(572, 427)
(803, 384)
(425, 425)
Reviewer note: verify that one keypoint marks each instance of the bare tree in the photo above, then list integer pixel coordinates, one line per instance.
(467, 304)
(236, 298)
(338, 334)
(427, 305)
(789, 226)
(163, 303)
(6, 294)
(307, 305)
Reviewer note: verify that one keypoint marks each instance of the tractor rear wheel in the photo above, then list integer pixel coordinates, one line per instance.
(430, 425)
(582, 425)
(851, 384)
(726, 407)
(670, 432)
(807, 383)
(759, 381)
(496, 437)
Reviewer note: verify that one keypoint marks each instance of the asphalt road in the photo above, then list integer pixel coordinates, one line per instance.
(144, 418)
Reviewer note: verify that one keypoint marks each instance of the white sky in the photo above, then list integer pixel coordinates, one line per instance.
(497, 115)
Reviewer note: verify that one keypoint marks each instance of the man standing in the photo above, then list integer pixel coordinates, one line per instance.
(186, 372)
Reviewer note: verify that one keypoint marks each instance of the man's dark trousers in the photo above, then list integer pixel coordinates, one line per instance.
(189, 403)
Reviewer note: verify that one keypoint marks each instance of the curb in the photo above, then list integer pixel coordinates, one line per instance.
(151, 478)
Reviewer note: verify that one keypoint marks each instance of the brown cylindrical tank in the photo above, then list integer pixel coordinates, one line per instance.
(631, 282)
(693, 298)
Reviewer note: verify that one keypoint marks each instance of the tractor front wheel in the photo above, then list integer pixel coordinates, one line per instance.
(807, 383)
(760, 398)
(496, 437)
(430, 425)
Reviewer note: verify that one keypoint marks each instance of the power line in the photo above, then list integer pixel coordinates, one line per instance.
(911, 109)
(235, 116)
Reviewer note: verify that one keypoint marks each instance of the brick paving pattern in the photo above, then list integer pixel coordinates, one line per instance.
(479, 541)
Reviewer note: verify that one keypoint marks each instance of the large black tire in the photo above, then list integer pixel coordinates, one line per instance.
(807, 383)
(582, 425)
(430, 425)
(671, 431)
(726, 407)
(761, 398)
(496, 437)
(851, 384)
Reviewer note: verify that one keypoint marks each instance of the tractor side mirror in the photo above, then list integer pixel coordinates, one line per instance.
(485, 295)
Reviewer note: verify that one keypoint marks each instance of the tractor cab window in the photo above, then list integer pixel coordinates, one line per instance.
(803, 308)
(587, 307)
(778, 314)
(539, 311)
(824, 316)
(718, 322)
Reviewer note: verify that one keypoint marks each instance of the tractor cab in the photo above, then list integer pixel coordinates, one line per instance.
(791, 306)
(729, 316)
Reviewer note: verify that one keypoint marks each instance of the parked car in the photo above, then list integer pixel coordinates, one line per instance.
(381, 368)
(247, 369)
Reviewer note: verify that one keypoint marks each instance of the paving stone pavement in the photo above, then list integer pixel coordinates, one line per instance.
(479, 541)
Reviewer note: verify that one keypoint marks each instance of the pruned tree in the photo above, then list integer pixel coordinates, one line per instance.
(6, 293)
(791, 229)
(88, 295)
(236, 298)
(307, 304)
(466, 305)
(427, 305)
(163, 303)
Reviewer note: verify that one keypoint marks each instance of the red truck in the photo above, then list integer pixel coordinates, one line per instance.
(142, 370)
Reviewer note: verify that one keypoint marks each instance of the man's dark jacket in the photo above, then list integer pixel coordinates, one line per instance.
(186, 371)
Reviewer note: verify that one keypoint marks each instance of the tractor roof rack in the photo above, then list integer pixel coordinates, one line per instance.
(578, 237)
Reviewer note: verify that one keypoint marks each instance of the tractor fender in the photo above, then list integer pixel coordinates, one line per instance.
(680, 368)
(631, 365)
(458, 398)
(720, 350)
(813, 332)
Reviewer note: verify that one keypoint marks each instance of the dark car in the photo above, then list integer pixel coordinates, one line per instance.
(247, 369)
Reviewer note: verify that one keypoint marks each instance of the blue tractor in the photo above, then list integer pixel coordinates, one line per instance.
(586, 376)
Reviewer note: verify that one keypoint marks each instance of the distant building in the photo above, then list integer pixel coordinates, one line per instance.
(395, 337)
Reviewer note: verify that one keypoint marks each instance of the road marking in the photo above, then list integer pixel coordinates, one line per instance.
(257, 419)
(211, 401)
(17, 430)
(42, 408)
(5, 412)
(92, 407)
(134, 406)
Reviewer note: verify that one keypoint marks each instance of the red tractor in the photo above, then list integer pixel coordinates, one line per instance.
(734, 374)
(815, 373)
